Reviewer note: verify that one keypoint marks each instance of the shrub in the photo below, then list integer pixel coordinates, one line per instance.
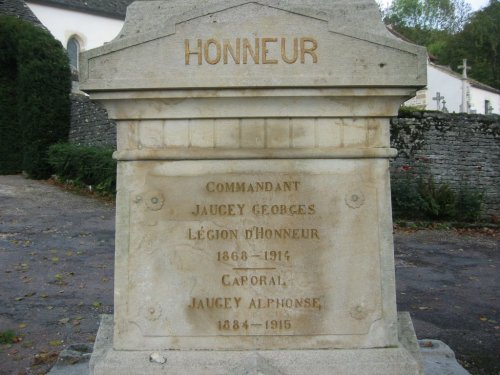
(406, 200)
(37, 83)
(10, 137)
(469, 204)
(416, 196)
(82, 165)
(439, 200)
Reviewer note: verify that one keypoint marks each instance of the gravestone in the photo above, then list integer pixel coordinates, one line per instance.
(254, 230)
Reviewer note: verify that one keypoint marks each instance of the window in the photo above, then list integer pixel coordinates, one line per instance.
(73, 49)
(488, 110)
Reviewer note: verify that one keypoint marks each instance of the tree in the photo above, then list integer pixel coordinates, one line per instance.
(426, 15)
(479, 43)
(10, 139)
(35, 83)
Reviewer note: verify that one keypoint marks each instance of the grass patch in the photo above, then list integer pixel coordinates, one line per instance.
(8, 337)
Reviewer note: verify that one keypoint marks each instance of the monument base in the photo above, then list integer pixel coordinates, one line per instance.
(402, 360)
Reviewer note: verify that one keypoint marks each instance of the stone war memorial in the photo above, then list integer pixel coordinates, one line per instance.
(254, 230)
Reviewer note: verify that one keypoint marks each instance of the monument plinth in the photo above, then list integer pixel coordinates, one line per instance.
(254, 226)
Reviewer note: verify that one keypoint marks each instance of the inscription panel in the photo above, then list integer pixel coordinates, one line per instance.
(248, 253)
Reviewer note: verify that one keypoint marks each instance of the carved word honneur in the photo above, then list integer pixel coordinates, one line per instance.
(247, 51)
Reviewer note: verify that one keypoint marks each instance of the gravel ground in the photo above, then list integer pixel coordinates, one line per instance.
(56, 277)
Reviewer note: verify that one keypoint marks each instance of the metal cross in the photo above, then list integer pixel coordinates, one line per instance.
(438, 99)
(465, 68)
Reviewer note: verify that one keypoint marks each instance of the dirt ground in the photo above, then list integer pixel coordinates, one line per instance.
(56, 278)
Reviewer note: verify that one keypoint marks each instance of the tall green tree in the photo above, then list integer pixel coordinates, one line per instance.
(479, 43)
(425, 15)
(35, 83)
(10, 135)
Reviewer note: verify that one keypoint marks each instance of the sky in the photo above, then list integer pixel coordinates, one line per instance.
(475, 4)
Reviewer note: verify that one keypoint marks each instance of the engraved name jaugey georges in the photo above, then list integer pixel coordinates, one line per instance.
(270, 50)
(259, 267)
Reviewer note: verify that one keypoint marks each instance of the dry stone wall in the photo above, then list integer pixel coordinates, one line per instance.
(90, 125)
(457, 149)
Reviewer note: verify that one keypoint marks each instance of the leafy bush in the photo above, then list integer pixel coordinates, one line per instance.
(439, 200)
(83, 165)
(416, 196)
(469, 204)
(10, 137)
(407, 203)
(36, 82)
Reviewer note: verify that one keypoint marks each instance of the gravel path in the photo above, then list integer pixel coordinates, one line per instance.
(56, 277)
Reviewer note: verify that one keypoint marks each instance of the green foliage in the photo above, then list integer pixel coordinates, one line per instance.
(408, 111)
(81, 165)
(7, 337)
(439, 200)
(479, 43)
(10, 146)
(451, 33)
(406, 200)
(424, 15)
(416, 196)
(469, 204)
(35, 84)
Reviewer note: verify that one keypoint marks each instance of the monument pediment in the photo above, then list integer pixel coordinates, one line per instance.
(252, 44)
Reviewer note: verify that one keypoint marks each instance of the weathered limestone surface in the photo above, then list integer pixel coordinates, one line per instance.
(253, 208)
(404, 359)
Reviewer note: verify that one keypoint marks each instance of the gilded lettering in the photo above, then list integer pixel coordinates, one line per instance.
(216, 59)
(308, 50)
(218, 210)
(262, 233)
(188, 52)
(265, 51)
(252, 280)
(295, 51)
(228, 50)
(258, 51)
(212, 234)
(283, 209)
(312, 303)
(215, 303)
(252, 187)
(254, 52)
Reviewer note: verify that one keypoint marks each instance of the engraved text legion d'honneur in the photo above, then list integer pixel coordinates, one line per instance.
(260, 266)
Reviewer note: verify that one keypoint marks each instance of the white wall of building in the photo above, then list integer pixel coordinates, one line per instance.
(448, 86)
(478, 98)
(90, 30)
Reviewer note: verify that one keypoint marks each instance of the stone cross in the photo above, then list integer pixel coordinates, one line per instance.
(444, 110)
(438, 99)
(464, 68)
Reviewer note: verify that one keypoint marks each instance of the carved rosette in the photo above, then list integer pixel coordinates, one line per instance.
(154, 200)
(355, 199)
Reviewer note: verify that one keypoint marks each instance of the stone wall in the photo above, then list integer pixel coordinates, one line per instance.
(457, 149)
(90, 125)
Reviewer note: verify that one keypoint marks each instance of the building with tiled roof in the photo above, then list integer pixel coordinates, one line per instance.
(19, 9)
(107, 8)
(80, 24)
